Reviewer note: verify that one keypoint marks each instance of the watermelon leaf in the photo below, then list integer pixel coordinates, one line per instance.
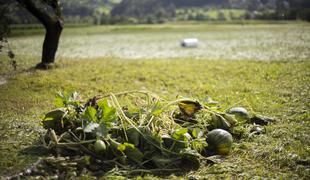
(108, 114)
(90, 114)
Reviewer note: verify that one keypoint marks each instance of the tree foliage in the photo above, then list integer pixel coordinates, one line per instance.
(145, 10)
(154, 11)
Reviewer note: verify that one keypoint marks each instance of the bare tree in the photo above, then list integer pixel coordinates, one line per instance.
(48, 12)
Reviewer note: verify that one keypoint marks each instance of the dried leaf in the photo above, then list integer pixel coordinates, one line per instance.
(189, 108)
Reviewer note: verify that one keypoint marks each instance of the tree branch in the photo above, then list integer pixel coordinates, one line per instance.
(39, 13)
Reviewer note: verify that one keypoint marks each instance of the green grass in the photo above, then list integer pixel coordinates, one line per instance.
(274, 88)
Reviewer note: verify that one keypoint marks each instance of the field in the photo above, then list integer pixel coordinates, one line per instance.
(263, 67)
(217, 42)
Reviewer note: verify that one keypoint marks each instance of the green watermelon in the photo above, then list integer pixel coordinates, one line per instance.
(220, 141)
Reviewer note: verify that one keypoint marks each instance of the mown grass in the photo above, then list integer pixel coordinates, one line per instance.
(277, 89)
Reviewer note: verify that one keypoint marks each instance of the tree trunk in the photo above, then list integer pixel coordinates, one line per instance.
(50, 44)
(53, 26)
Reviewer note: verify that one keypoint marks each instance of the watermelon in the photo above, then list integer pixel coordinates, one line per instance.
(219, 141)
(100, 146)
(240, 113)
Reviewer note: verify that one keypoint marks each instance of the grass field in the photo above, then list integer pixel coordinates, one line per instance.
(270, 75)
(224, 42)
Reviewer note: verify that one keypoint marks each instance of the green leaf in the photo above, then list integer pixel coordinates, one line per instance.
(61, 99)
(129, 145)
(90, 114)
(108, 113)
(190, 152)
(191, 157)
(102, 130)
(121, 147)
(55, 114)
(156, 109)
(157, 112)
(149, 140)
(102, 103)
(59, 102)
(179, 134)
(133, 136)
(133, 114)
(64, 99)
(133, 153)
(181, 131)
(199, 144)
(124, 146)
(53, 119)
(197, 133)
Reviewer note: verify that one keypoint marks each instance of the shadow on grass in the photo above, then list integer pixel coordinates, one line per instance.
(36, 150)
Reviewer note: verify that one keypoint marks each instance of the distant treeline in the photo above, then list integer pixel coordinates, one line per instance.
(167, 10)
(160, 11)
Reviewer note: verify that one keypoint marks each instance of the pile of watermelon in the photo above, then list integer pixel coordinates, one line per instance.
(138, 132)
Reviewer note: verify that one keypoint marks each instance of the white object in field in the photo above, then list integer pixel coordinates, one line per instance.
(192, 42)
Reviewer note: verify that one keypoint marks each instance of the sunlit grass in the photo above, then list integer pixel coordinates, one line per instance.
(279, 90)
